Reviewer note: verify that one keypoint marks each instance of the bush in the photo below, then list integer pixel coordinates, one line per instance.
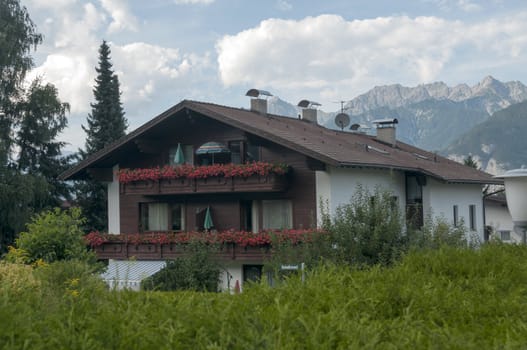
(368, 230)
(17, 278)
(71, 277)
(52, 236)
(439, 233)
(193, 272)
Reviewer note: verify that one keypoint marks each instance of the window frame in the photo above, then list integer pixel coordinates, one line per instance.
(472, 217)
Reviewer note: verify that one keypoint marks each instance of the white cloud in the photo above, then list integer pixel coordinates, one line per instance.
(147, 70)
(193, 2)
(122, 18)
(330, 57)
(283, 5)
(452, 5)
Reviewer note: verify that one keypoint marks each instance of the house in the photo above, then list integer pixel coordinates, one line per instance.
(324, 166)
(499, 220)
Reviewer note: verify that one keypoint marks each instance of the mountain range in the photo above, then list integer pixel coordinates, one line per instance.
(434, 116)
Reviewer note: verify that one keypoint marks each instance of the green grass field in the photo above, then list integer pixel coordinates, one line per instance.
(444, 299)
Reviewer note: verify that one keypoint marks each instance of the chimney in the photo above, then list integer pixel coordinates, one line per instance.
(386, 130)
(308, 112)
(258, 105)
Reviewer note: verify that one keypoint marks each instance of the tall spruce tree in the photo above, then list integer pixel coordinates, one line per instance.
(105, 124)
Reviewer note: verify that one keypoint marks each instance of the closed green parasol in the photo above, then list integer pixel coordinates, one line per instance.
(179, 158)
(208, 224)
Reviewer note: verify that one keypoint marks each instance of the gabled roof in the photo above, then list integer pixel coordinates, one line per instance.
(332, 147)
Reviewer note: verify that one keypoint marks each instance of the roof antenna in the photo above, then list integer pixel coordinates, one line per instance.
(342, 119)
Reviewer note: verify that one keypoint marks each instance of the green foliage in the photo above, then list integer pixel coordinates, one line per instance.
(449, 298)
(54, 235)
(437, 233)
(43, 118)
(193, 272)
(21, 196)
(368, 230)
(105, 124)
(17, 37)
(29, 119)
(469, 161)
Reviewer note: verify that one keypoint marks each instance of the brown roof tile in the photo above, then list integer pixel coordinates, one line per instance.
(337, 148)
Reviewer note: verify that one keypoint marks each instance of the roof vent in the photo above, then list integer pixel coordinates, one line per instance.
(309, 110)
(258, 104)
(386, 130)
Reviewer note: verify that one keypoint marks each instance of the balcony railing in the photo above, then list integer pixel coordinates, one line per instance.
(157, 251)
(215, 184)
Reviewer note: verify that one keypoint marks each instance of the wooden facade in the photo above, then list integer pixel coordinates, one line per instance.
(227, 198)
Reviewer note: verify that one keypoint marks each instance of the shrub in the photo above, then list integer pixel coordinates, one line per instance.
(17, 278)
(368, 230)
(437, 233)
(195, 272)
(54, 235)
(71, 277)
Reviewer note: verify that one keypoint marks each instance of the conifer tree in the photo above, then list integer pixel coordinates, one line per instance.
(105, 124)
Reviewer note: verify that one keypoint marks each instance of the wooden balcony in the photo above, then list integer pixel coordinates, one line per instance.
(153, 251)
(254, 183)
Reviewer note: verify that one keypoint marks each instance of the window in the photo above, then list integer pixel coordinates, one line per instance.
(188, 154)
(505, 235)
(252, 153)
(277, 214)
(236, 151)
(472, 216)
(162, 217)
(154, 216)
(178, 217)
(242, 152)
(252, 273)
(456, 215)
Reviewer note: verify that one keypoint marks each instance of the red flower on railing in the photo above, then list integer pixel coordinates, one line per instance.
(201, 172)
(242, 238)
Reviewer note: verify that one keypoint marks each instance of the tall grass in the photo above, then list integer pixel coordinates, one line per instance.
(449, 298)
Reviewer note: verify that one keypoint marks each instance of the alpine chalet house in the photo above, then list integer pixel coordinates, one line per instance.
(163, 177)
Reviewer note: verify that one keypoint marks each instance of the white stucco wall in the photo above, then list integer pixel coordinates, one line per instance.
(336, 186)
(114, 220)
(498, 216)
(439, 199)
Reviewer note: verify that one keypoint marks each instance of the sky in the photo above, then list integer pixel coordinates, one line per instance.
(165, 51)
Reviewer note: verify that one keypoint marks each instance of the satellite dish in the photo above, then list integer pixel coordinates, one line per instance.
(257, 93)
(342, 120)
(355, 127)
(308, 104)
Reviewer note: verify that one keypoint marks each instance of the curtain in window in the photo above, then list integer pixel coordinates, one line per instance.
(158, 217)
(277, 214)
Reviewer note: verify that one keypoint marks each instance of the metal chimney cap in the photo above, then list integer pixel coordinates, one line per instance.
(513, 173)
(308, 104)
(386, 121)
(257, 93)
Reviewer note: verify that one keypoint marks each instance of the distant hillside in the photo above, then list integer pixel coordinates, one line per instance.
(431, 116)
(499, 143)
